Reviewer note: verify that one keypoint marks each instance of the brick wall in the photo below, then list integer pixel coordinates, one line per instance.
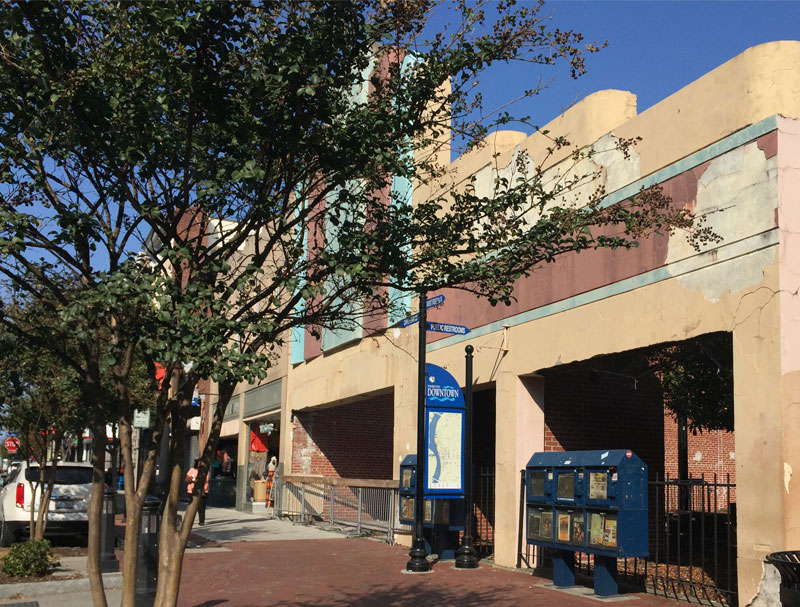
(347, 441)
(709, 452)
(587, 407)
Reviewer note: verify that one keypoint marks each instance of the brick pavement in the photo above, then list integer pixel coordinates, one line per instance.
(363, 573)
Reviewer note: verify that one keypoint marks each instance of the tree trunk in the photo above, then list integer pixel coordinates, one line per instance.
(173, 539)
(134, 500)
(170, 549)
(44, 504)
(96, 516)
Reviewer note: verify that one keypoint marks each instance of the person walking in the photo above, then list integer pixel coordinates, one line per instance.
(191, 478)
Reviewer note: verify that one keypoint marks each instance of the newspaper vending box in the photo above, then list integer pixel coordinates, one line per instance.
(442, 518)
(588, 501)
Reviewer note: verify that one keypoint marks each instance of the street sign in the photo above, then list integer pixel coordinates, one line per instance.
(11, 444)
(442, 327)
(141, 419)
(431, 302)
(409, 320)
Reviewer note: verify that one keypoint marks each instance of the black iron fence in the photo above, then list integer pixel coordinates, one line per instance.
(484, 511)
(692, 525)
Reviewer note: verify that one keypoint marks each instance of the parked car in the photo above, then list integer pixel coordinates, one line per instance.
(68, 511)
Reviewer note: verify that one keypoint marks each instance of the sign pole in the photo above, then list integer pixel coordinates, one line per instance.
(467, 555)
(419, 562)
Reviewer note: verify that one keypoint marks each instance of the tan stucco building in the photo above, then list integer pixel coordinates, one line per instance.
(728, 147)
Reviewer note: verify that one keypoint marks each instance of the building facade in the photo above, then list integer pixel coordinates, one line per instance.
(557, 369)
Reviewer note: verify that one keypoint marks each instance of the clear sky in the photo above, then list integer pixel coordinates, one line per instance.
(655, 48)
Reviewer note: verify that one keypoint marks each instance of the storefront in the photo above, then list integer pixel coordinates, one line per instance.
(222, 486)
(259, 439)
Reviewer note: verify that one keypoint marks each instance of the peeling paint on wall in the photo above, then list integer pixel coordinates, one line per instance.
(619, 171)
(787, 476)
(737, 194)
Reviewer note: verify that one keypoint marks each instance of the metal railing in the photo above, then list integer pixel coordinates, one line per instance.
(692, 528)
(484, 511)
(357, 507)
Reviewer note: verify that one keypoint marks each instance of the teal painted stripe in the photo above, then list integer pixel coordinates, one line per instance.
(722, 146)
(402, 195)
(298, 348)
(345, 332)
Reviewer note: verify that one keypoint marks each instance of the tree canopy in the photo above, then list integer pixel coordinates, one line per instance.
(211, 175)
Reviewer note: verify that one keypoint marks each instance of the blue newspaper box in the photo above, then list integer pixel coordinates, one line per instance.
(442, 516)
(408, 488)
(588, 501)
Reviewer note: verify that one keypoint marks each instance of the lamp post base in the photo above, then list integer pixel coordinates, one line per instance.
(418, 563)
(467, 556)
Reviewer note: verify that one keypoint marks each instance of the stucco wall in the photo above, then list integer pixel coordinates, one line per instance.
(721, 148)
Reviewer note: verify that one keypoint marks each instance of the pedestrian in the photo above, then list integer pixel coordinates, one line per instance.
(191, 478)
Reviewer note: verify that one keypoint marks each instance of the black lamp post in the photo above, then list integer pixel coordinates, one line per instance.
(467, 557)
(147, 562)
(108, 560)
(418, 563)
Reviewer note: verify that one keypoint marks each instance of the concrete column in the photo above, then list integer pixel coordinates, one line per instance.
(789, 222)
(520, 433)
(757, 424)
(405, 423)
(242, 454)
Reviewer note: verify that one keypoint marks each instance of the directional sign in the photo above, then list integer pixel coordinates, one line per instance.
(11, 444)
(442, 327)
(409, 320)
(432, 302)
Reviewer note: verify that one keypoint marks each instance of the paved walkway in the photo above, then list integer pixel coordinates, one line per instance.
(266, 563)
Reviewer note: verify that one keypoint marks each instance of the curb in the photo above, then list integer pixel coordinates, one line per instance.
(34, 589)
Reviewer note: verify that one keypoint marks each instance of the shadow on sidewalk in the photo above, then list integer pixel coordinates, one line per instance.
(399, 595)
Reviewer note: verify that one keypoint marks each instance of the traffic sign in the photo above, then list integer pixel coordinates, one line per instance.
(441, 327)
(11, 444)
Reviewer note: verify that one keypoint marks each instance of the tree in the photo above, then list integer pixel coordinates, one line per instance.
(697, 379)
(41, 400)
(215, 174)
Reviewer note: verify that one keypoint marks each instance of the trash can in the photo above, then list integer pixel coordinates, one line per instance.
(260, 491)
(788, 565)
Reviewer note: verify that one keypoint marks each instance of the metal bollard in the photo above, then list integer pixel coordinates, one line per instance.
(108, 560)
(147, 562)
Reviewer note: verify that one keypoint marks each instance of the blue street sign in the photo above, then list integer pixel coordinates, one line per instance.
(441, 327)
(409, 320)
(432, 302)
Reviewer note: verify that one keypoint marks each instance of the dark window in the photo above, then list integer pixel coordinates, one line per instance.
(64, 475)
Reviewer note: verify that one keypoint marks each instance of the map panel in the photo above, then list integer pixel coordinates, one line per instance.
(445, 443)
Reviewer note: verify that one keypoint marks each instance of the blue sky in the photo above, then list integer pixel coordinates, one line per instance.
(655, 48)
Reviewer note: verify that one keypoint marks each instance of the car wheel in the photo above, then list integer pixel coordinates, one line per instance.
(6, 534)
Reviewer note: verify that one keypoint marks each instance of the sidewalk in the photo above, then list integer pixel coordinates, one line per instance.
(255, 562)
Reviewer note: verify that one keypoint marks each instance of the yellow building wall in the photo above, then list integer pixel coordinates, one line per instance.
(747, 286)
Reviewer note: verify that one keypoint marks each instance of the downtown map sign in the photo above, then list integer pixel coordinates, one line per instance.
(444, 434)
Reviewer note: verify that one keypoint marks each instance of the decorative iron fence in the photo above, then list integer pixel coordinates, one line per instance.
(484, 511)
(692, 543)
(357, 507)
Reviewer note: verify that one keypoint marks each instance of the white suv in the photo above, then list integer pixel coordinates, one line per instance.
(68, 512)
